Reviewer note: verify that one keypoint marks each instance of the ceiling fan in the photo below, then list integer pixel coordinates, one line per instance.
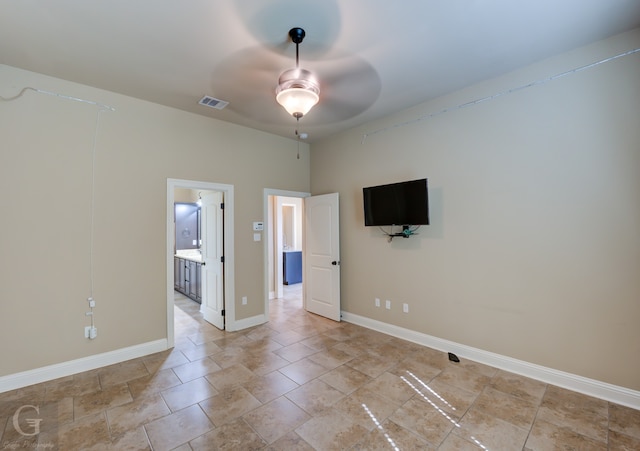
(335, 84)
(298, 90)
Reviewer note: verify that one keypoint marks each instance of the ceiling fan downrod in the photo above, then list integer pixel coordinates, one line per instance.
(297, 35)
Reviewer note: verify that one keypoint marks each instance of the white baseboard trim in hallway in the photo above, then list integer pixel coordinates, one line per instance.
(591, 387)
(245, 323)
(47, 373)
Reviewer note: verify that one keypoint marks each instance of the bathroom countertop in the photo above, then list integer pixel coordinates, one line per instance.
(193, 255)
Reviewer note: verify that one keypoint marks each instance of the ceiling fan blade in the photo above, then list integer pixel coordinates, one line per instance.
(247, 80)
(349, 86)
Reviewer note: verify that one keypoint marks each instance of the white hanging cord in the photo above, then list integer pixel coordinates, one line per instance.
(509, 91)
(102, 106)
(92, 208)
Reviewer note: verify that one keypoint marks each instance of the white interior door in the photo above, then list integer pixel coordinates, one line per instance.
(212, 306)
(322, 256)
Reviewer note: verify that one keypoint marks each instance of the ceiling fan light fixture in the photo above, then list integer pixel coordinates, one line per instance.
(297, 91)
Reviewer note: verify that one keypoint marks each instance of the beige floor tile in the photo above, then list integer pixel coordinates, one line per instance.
(418, 371)
(152, 384)
(303, 371)
(290, 442)
(315, 396)
(180, 427)
(198, 352)
(583, 414)
(372, 366)
(422, 419)
(620, 441)
(229, 357)
(189, 393)
(520, 386)
(625, 420)
(366, 408)
(464, 378)
(287, 338)
(195, 369)
(76, 385)
(330, 430)
(235, 435)
(210, 334)
(517, 411)
(235, 342)
(545, 435)
(390, 436)
(345, 379)
(295, 352)
(391, 387)
(263, 345)
(122, 372)
(136, 413)
(134, 439)
(228, 405)
(95, 402)
(452, 400)
(491, 432)
(431, 357)
(228, 377)
(275, 419)
(164, 360)
(90, 432)
(270, 386)
(264, 363)
(320, 342)
(331, 358)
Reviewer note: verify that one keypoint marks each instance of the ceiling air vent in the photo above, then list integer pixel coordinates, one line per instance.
(212, 102)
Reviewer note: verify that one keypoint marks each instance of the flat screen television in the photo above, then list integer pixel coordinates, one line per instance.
(402, 204)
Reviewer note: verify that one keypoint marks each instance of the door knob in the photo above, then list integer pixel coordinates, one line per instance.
(334, 263)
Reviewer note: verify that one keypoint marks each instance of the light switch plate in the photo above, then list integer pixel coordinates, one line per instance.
(257, 237)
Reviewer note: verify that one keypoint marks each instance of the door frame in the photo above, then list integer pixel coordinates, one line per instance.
(229, 276)
(267, 232)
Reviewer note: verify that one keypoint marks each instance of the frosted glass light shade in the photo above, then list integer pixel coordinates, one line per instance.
(297, 91)
(297, 101)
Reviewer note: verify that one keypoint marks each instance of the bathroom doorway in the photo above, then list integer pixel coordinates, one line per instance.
(177, 188)
(284, 244)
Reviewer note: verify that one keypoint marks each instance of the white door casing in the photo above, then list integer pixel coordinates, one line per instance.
(322, 255)
(212, 216)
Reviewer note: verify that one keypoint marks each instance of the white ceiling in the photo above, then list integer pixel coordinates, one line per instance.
(373, 57)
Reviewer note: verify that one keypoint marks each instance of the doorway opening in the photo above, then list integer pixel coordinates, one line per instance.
(284, 245)
(223, 239)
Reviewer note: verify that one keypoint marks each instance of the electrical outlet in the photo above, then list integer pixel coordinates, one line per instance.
(244, 300)
(377, 302)
(87, 331)
(93, 332)
(387, 304)
(405, 308)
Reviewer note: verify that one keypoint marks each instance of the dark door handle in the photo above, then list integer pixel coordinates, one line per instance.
(334, 263)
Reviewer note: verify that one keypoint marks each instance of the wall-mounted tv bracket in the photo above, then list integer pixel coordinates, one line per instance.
(407, 231)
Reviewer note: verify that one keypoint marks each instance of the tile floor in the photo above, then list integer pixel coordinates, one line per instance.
(302, 382)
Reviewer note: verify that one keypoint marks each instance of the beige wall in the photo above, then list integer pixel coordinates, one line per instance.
(45, 178)
(534, 247)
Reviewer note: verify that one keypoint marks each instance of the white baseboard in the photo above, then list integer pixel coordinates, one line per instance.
(47, 373)
(246, 323)
(591, 387)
